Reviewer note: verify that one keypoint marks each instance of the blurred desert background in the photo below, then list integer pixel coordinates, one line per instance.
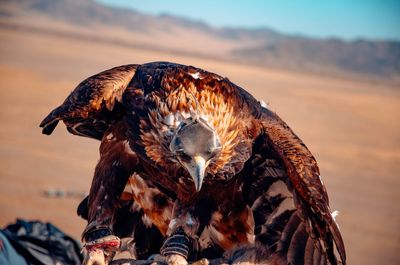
(342, 98)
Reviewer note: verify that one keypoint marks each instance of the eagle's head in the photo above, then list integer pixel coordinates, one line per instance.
(196, 134)
(194, 144)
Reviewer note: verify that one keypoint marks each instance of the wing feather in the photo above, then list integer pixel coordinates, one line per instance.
(90, 108)
(304, 176)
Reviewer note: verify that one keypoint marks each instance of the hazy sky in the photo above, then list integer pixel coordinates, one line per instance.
(349, 19)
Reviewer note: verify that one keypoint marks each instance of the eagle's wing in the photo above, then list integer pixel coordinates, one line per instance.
(306, 232)
(93, 105)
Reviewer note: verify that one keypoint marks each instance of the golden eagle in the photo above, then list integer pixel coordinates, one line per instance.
(192, 166)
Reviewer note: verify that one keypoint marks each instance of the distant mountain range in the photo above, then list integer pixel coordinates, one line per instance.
(261, 46)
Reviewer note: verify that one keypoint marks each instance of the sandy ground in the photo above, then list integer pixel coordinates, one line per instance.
(352, 128)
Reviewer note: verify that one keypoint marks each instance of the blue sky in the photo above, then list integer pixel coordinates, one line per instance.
(351, 19)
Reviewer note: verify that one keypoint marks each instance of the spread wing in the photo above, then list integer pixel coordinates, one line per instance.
(93, 105)
(290, 203)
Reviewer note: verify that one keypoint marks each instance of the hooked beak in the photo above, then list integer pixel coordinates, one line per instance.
(196, 170)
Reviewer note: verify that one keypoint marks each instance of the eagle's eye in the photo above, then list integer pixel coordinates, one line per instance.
(182, 156)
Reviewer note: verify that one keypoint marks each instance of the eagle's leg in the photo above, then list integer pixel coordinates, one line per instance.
(177, 247)
(181, 241)
(110, 177)
(100, 246)
(100, 243)
(101, 251)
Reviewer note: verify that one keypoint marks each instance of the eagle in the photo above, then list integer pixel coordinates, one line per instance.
(192, 167)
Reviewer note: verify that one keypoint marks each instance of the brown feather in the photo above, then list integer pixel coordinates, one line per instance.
(93, 99)
(305, 177)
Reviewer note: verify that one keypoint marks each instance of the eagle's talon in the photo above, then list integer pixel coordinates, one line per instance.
(158, 258)
(201, 262)
(101, 251)
(135, 262)
(94, 257)
(170, 259)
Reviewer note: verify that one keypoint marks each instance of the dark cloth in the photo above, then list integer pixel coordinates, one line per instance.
(8, 255)
(43, 244)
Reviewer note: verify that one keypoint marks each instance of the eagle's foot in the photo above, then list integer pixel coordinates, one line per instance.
(218, 261)
(201, 262)
(173, 259)
(94, 257)
(126, 249)
(101, 251)
(136, 262)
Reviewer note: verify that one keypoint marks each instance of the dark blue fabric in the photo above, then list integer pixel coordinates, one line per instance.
(8, 255)
(43, 243)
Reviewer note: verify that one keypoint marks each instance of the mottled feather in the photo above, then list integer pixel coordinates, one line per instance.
(90, 108)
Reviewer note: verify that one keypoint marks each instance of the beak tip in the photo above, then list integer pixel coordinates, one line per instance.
(198, 187)
(198, 172)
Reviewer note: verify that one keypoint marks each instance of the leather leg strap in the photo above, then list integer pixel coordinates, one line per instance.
(96, 233)
(178, 243)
